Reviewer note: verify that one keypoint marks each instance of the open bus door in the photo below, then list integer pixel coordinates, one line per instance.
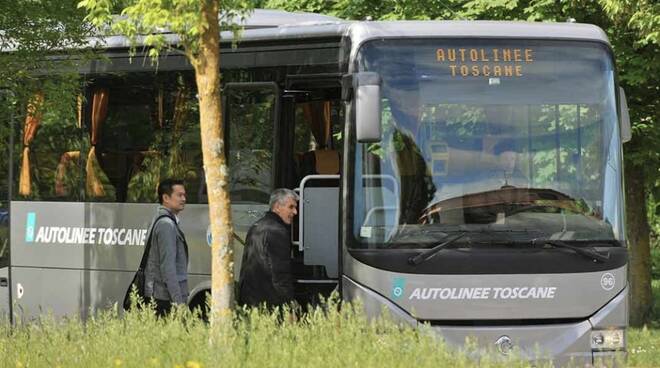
(319, 233)
(265, 146)
(315, 122)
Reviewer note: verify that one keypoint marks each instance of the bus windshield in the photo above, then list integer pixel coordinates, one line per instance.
(507, 139)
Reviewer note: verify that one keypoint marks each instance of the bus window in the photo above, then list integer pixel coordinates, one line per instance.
(251, 130)
(151, 132)
(317, 144)
(47, 147)
(126, 136)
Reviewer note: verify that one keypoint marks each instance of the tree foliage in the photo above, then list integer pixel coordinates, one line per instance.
(643, 17)
(30, 32)
(146, 21)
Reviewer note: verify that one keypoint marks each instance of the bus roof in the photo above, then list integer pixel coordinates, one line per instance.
(269, 20)
(360, 31)
(277, 25)
(363, 31)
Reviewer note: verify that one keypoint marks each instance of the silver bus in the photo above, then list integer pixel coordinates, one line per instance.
(462, 175)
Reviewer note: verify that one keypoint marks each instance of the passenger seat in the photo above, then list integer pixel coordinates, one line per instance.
(320, 162)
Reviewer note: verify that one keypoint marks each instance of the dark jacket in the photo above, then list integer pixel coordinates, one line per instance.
(166, 274)
(266, 276)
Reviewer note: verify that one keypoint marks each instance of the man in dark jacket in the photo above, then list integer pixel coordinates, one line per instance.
(266, 277)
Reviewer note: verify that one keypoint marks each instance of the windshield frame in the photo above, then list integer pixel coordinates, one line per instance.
(353, 241)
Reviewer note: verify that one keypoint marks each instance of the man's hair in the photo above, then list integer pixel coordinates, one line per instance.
(280, 195)
(167, 187)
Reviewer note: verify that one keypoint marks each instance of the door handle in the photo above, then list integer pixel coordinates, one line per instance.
(4, 282)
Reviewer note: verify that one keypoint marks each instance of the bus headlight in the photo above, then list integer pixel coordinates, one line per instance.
(612, 339)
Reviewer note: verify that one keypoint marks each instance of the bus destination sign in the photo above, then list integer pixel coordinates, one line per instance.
(485, 62)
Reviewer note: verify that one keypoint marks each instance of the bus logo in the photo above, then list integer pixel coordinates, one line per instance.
(29, 226)
(607, 281)
(398, 287)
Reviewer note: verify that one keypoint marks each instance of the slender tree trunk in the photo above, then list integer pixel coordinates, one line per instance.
(207, 74)
(639, 245)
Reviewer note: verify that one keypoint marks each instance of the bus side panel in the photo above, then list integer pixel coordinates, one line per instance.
(82, 256)
(106, 289)
(68, 257)
(44, 291)
(194, 222)
(39, 233)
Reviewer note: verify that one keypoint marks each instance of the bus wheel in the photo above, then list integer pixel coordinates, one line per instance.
(199, 305)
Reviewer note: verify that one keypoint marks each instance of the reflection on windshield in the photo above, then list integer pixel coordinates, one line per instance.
(536, 150)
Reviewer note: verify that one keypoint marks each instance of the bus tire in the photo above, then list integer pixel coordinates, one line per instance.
(198, 302)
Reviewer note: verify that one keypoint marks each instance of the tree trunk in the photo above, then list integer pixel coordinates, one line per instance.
(207, 75)
(639, 245)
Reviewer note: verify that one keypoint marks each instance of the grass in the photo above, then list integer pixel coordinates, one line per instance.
(644, 343)
(324, 338)
(643, 347)
(327, 338)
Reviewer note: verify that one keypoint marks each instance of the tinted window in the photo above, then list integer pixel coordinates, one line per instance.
(251, 147)
(48, 150)
(317, 128)
(150, 132)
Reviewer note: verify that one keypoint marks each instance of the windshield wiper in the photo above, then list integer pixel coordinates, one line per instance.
(428, 254)
(586, 252)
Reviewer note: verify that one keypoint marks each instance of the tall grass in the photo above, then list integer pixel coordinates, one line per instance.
(644, 347)
(644, 343)
(325, 337)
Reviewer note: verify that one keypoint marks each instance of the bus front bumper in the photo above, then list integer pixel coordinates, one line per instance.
(599, 341)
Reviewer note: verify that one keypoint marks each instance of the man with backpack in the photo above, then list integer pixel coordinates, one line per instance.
(166, 273)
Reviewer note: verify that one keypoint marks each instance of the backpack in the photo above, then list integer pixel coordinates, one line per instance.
(140, 275)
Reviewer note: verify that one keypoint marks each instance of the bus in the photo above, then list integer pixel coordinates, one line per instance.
(463, 175)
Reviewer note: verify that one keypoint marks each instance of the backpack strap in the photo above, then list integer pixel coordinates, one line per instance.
(185, 243)
(145, 255)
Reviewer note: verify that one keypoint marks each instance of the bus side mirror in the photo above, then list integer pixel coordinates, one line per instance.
(626, 130)
(367, 107)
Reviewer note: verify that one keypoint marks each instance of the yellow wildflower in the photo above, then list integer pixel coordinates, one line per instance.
(193, 364)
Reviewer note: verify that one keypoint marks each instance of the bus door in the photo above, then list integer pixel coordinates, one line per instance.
(5, 142)
(251, 114)
(317, 117)
(319, 228)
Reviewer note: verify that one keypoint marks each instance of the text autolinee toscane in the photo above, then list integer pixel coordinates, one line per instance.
(524, 292)
(93, 235)
(487, 62)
